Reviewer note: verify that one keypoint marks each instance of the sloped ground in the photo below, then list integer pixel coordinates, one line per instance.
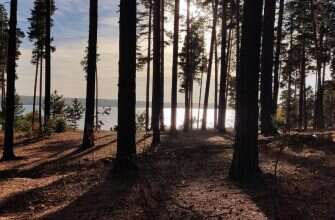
(184, 178)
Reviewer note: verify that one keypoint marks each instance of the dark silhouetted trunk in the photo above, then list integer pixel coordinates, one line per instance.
(238, 42)
(88, 138)
(216, 71)
(97, 124)
(289, 91)
(200, 95)
(277, 56)
(47, 62)
(156, 96)
(34, 98)
(126, 146)
(40, 120)
(188, 73)
(318, 41)
(175, 67)
(302, 88)
(245, 159)
(223, 78)
(8, 152)
(210, 63)
(147, 100)
(161, 116)
(267, 122)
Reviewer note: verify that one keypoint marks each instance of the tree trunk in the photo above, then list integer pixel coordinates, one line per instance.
(40, 120)
(238, 39)
(288, 104)
(47, 62)
(277, 56)
(210, 62)
(318, 41)
(216, 71)
(245, 159)
(34, 99)
(126, 146)
(223, 78)
(188, 73)
(161, 120)
(88, 136)
(302, 87)
(8, 152)
(175, 67)
(156, 96)
(200, 94)
(267, 122)
(96, 101)
(147, 100)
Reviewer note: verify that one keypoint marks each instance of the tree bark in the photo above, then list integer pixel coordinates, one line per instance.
(188, 73)
(267, 122)
(34, 98)
(302, 88)
(161, 120)
(244, 166)
(223, 78)
(8, 152)
(47, 62)
(88, 136)
(126, 147)
(175, 67)
(156, 96)
(40, 120)
(216, 71)
(277, 56)
(209, 71)
(147, 100)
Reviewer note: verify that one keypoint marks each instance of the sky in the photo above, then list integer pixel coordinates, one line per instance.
(70, 33)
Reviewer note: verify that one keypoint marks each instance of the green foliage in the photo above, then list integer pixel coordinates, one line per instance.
(140, 121)
(196, 51)
(57, 105)
(73, 113)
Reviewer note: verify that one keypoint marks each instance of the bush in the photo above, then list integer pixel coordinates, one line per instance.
(60, 125)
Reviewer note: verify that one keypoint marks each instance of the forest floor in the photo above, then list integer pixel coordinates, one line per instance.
(186, 177)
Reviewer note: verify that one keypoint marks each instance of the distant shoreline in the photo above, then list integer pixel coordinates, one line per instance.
(28, 100)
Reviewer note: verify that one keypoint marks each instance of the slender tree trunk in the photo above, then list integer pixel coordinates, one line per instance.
(245, 159)
(156, 96)
(8, 152)
(47, 62)
(96, 101)
(188, 73)
(302, 87)
(34, 99)
(216, 71)
(161, 120)
(223, 78)
(267, 125)
(175, 67)
(200, 95)
(88, 136)
(238, 39)
(147, 100)
(277, 56)
(318, 41)
(288, 104)
(3, 90)
(40, 120)
(209, 72)
(126, 146)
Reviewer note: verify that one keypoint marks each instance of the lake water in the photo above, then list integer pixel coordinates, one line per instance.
(111, 120)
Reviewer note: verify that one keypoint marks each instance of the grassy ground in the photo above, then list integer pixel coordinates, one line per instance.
(184, 178)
